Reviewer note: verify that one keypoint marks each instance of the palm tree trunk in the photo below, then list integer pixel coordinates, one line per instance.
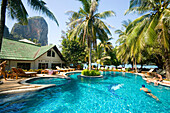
(2, 20)
(167, 64)
(135, 66)
(90, 55)
(133, 63)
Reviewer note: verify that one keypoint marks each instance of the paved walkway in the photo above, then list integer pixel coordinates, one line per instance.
(15, 86)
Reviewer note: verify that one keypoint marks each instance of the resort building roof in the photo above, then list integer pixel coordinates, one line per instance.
(27, 41)
(18, 50)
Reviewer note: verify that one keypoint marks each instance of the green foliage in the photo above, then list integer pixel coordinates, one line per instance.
(9, 72)
(85, 72)
(113, 60)
(97, 73)
(89, 25)
(25, 70)
(90, 73)
(31, 70)
(73, 51)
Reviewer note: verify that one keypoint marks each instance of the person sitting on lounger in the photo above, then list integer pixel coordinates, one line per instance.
(160, 77)
(148, 92)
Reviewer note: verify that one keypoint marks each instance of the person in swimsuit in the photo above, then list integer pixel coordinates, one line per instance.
(160, 77)
(148, 92)
(2, 69)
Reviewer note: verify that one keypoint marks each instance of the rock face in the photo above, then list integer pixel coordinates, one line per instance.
(37, 28)
(6, 32)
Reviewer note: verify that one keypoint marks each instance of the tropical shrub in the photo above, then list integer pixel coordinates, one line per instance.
(31, 70)
(90, 73)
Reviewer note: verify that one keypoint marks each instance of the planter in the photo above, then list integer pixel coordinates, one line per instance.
(84, 76)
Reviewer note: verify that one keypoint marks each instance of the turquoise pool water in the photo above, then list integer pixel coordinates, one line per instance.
(48, 80)
(115, 93)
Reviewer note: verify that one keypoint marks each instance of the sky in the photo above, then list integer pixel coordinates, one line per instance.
(60, 7)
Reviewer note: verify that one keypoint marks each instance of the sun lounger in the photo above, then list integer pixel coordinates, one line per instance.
(67, 68)
(20, 72)
(159, 71)
(123, 70)
(110, 68)
(71, 69)
(16, 72)
(148, 72)
(61, 69)
(27, 73)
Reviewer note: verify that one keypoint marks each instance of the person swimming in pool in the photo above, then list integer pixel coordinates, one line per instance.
(146, 90)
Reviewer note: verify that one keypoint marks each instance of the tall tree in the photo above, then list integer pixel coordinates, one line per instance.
(16, 10)
(90, 27)
(73, 51)
(123, 50)
(151, 27)
(107, 45)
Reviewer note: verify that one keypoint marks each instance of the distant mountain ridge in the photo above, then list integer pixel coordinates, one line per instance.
(37, 28)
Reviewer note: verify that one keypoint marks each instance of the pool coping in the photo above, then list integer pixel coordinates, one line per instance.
(84, 76)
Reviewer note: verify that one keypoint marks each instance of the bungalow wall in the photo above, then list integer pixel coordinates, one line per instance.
(13, 63)
(44, 59)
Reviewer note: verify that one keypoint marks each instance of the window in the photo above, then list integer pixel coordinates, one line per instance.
(53, 65)
(49, 53)
(53, 54)
(42, 65)
(24, 65)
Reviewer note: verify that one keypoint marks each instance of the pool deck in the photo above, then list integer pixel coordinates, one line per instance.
(10, 86)
(17, 86)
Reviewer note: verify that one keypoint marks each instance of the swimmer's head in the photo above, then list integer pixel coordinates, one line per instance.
(143, 85)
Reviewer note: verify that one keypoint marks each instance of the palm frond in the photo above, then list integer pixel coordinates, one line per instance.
(102, 25)
(75, 22)
(105, 14)
(86, 5)
(150, 32)
(136, 21)
(17, 10)
(39, 5)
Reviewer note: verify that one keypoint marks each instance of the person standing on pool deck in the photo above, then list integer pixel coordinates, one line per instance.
(148, 92)
(2, 69)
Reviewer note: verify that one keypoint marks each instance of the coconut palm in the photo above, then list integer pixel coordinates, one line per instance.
(152, 26)
(107, 45)
(89, 25)
(99, 55)
(16, 10)
(123, 50)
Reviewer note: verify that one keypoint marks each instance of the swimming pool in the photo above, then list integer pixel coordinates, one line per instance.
(117, 93)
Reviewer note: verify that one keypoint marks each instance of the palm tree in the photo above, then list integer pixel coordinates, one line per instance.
(99, 55)
(151, 27)
(123, 50)
(17, 11)
(106, 45)
(89, 25)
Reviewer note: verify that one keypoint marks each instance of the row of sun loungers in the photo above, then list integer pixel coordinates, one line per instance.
(65, 69)
(58, 70)
(18, 72)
